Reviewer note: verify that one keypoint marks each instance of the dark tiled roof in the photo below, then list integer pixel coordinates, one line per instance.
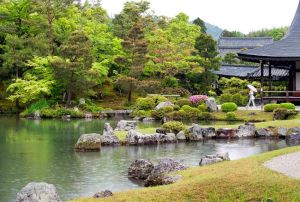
(242, 71)
(235, 71)
(243, 43)
(286, 49)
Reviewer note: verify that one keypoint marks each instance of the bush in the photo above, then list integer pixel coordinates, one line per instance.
(206, 116)
(231, 116)
(170, 82)
(39, 105)
(229, 107)
(157, 114)
(238, 99)
(59, 112)
(191, 112)
(284, 114)
(145, 103)
(141, 113)
(176, 107)
(289, 106)
(92, 107)
(174, 126)
(225, 98)
(183, 102)
(271, 107)
(198, 99)
(202, 107)
(158, 99)
(176, 91)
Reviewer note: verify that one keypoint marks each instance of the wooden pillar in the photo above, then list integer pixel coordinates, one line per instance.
(262, 84)
(292, 77)
(270, 77)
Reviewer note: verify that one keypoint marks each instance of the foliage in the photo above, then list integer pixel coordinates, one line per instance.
(176, 91)
(284, 114)
(198, 99)
(231, 116)
(202, 107)
(141, 113)
(271, 107)
(289, 106)
(227, 33)
(174, 126)
(275, 33)
(225, 98)
(183, 102)
(230, 58)
(238, 99)
(170, 82)
(145, 103)
(41, 104)
(229, 107)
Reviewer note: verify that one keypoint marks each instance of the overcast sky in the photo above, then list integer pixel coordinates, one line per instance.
(241, 15)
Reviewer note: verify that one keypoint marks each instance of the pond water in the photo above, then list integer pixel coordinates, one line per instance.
(43, 151)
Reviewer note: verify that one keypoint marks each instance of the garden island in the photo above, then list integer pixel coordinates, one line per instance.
(144, 107)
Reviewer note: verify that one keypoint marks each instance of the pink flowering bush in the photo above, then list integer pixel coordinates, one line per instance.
(197, 99)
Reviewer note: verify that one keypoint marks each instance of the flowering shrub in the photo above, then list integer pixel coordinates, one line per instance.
(197, 99)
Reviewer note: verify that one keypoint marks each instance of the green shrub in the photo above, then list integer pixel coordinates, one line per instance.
(191, 112)
(271, 107)
(174, 126)
(39, 105)
(225, 98)
(171, 82)
(237, 99)
(176, 91)
(206, 116)
(145, 103)
(183, 102)
(289, 106)
(92, 107)
(245, 100)
(49, 113)
(186, 108)
(176, 107)
(231, 116)
(158, 99)
(284, 114)
(141, 113)
(59, 112)
(229, 107)
(167, 109)
(202, 107)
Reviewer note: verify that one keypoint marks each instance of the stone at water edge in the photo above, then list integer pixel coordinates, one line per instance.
(212, 159)
(88, 142)
(181, 136)
(38, 192)
(211, 105)
(195, 133)
(226, 133)
(109, 137)
(140, 169)
(124, 125)
(263, 132)
(159, 173)
(103, 194)
(163, 105)
(282, 132)
(247, 130)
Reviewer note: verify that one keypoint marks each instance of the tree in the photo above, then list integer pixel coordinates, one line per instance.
(35, 84)
(131, 14)
(227, 33)
(206, 56)
(199, 22)
(275, 33)
(230, 58)
(74, 69)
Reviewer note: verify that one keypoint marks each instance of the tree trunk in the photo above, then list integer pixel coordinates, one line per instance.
(130, 95)
(17, 106)
(69, 98)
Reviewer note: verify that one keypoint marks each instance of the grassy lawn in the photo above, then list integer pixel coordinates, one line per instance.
(254, 116)
(241, 180)
(122, 134)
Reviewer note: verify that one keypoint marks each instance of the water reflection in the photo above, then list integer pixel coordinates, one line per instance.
(43, 151)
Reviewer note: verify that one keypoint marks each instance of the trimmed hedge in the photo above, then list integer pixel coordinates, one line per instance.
(225, 98)
(229, 107)
(174, 126)
(273, 107)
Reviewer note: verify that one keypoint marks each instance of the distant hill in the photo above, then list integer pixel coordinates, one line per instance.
(213, 30)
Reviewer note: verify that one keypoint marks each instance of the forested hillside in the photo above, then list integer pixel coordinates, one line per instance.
(55, 52)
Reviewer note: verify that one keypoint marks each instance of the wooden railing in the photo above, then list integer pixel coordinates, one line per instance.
(281, 95)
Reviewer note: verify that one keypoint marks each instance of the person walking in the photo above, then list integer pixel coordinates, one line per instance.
(251, 99)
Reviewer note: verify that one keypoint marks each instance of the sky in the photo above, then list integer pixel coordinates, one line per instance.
(240, 15)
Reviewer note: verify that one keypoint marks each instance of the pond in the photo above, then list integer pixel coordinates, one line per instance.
(43, 151)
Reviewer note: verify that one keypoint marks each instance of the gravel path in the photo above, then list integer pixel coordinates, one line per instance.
(287, 164)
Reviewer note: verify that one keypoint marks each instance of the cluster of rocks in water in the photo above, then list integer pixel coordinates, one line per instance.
(161, 174)
(93, 142)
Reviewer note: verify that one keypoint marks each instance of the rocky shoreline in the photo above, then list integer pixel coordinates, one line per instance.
(93, 142)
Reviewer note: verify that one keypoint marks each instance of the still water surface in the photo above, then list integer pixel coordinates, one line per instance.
(43, 151)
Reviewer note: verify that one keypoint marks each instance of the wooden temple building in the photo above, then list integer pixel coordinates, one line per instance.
(283, 54)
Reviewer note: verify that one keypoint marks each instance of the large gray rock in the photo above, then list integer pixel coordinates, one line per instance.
(212, 159)
(181, 136)
(135, 138)
(263, 132)
(246, 131)
(163, 105)
(282, 132)
(226, 133)
(126, 125)
(159, 173)
(103, 194)
(140, 169)
(197, 133)
(109, 137)
(170, 137)
(89, 142)
(38, 192)
(211, 105)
